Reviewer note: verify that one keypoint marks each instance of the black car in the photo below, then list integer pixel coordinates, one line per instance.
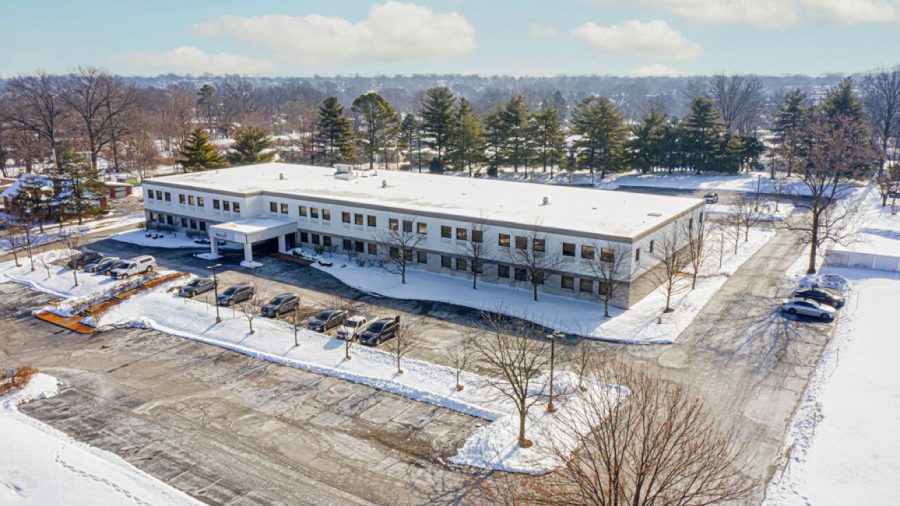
(327, 319)
(82, 259)
(236, 293)
(824, 295)
(281, 304)
(379, 331)
(197, 286)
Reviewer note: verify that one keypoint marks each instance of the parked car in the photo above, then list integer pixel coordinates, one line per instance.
(83, 259)
(379, 331)
(327, 319)
(280, 304)
(831, 297)
(351, 327)
(197, 286)
(711, 198)
(808, 307)
(102, 265)
(104, 269)
(235, 294)
(137, 265)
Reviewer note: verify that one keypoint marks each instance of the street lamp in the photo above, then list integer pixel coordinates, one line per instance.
(756, 205)
(216, 290)
(553, 337)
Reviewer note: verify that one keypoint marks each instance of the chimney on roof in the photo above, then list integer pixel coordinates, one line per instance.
(546, 201)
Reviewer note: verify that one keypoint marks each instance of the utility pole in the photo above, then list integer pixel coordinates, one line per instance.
(216, 290)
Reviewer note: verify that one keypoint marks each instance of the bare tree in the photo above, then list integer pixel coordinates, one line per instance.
(747, 214)
(298, 318)
(836, 153)
(400, 241)
(529, 253)
(609, 264)
(695, 250)
(38, 107)
(459, 356)
(738, 98)
(582, 357)
(71, 241)
(515, 354)
(888, 183)
(251, 307)
(407, 337)
(881, 96)
(14, 237)
(472, 247)
(351, 307)
(671, 261)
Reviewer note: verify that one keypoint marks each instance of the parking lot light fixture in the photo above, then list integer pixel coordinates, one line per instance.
(216, 290)
(554, 336)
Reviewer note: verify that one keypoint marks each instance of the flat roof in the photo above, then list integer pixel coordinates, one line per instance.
(582, 210)
(253, 225)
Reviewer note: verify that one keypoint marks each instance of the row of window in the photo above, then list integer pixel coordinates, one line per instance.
(159, 195)
(185, 223)
(194, 200)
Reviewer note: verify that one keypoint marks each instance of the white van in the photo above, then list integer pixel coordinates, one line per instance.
(137, 265)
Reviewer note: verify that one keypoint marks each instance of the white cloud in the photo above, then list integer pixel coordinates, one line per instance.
(653, 39)
(191, 60)
(851, 12)
(655, 70)
(392, 31)
(541, 31)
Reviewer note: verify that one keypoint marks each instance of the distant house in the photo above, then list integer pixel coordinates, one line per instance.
(118, 190)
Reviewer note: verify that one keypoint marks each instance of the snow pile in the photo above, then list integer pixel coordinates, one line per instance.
(60, 283)
(41, 465)
(842, 443)
(250, 264)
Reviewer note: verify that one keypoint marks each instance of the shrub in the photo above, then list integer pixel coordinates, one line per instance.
(17, 380)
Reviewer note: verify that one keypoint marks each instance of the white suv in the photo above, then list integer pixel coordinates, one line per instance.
(137, 265)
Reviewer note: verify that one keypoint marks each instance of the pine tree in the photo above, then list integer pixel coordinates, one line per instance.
(410, 129)
(437, 119)
(494, 140)
(647, 146)
(466, 144)
(549, 140)
(788, 128)
(704, 134)
(198, 153)
(206, 100)
(841, 100)
(517, 130)
(249, 146)
(334, 136)
(379, 125)
(602, 131)
(34, 197)
(79, 188)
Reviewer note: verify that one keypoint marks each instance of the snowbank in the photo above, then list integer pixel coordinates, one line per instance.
(41, 465)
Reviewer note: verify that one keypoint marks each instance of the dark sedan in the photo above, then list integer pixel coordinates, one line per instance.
(197, 286)
(235, 294)
(83, 259)
(379, 331)
(327, 319)
(823, 295)
(280, 304)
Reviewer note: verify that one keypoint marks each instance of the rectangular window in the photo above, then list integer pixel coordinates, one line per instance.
(193, 224)
(326, 214)
(394, 252)
(358, 219)
(521, 275)
(422, 257)
(236, 207)
(217, 204)
(651, 246)
(284, 208)
(273, 207)
(446, 262)
(345, 217)
(461, 264)
(304, 237)
(637, 255)
(203, 226)
(200, 201)
(326, 240)
(181, 199)
(521, 242)
(372, 221)
(462, 234)
(421, 228)
(226, 205)
(315, 238)
(503, 240)
(314, 212)
(586, 285)
(587, 252)
(477, 235)
(407, 226)
(347, 244)
(152, 216)
(170, 220)
(373, 248)
(302, 210)
(392, 224)
(538, 245)
(183, 222)
(477, 266)
(567, 282)
(150, 195)
(503, 271)
(159, 195)
(568, 249)
(408, 255)
(168, 197)
(190, 199)
(607, 255)
(360, 247)
(445, 231)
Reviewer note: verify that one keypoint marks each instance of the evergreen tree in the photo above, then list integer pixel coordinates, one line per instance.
(437, 119)
(198, 153)
(841, 100)
(249, 146)
(412, 138)
(648, 144)
(33, 199)
(79, 187)
(704, 135)
(788, 129)
(334, 136)
(379, 125)
(494, 140)
(549, 140)
(466, 144)
(206, 101)
(602, 131)
(515, 118)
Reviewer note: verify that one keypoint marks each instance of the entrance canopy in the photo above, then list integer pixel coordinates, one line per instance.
(250, 231)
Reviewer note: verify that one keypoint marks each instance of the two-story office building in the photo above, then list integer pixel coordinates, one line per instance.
(282, 206)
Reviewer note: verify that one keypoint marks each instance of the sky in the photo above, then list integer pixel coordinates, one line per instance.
(488, 37)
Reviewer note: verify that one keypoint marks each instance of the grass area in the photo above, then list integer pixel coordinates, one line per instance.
(16, 379)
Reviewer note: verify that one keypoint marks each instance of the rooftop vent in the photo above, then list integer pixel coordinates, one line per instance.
(654, 214)
(383, 183)
(281, 176)
(546, 201)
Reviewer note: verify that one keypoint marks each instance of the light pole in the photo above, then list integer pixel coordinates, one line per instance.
(756, 205)
(553, 337)
(216, 290)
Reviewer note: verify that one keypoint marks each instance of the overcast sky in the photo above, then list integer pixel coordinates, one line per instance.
(514, 37)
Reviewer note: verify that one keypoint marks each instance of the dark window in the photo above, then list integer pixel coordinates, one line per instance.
(651, 246)
(587, 252)
(181, 198)
(568, 249)
(193, 224)
(477, 235)
(407, 254)
(152, 216)
(203, 226)
(200, 201)
(284, 208)
(421, 228)
(372, 221)
(170, 220)
(345, 217)
(315, 238)
(217, 204)
(502, 271)
(607, 255)
(521, 242)
(446, 262)
(326, 240)
(539, 245)
(304, 237)
(360, 246)
(226, 205)
(302, 210)
(392, 224)
(407, 226)
(326, 214)
(394, 252)
(273, 207)
(503, 240)
(445, 231)
(477, 266)
(422, 257)
(236, 206)
(373, 248)
(150, 195)
(314, 212)
(183, 222)
(637, 255)
(348, 245)
(521, 275)
(586, 285)
(567, 282)
(461, 264)
(462, 234)
(159, 195)
(358, 219)
(168, 197)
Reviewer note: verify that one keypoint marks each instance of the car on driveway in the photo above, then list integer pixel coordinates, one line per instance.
(711, 198)
(143, 264)
(379, 331)
(825, 295)
(280, 304)
(102, 265)
(235, 294)
(197, 286)
(351, 328)
(327, 319)
(83, 259)
(808, 307)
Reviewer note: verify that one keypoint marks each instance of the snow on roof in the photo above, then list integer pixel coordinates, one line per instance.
(29, 177)
(584, 210)
(253, 225)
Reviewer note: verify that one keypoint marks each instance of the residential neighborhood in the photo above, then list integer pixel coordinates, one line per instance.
(334, 254)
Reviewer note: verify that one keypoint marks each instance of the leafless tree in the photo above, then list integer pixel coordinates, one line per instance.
(529, 252)
(399, 243)
(609, 264)
(251, 307)
(45, 264)
(582, 358)
(459, 355)
(888, 183)
(671, 259)
(696, 251)
(351, 307)
(472, 247)
(298, 318)
(14, 237)
(836, 153)
(408, 336)
(141, 155)
(515, 354)
(38, 107)
(881, 96)
(739, 99)
(747, 214)
(71, 241)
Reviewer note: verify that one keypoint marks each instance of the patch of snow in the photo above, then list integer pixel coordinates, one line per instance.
(250, 264)
(60, 282)
(53, 234)
(164, 239)
(208, 256)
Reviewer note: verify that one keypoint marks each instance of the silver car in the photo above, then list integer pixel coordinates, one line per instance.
(808, 307)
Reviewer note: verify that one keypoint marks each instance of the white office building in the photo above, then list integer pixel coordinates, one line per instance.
(277, 206)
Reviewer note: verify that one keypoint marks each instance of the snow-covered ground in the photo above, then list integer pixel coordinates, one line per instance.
(165, 239)
(581, 317)
(843, 440)
(40, 465)
(52, 232)
(767, 212)
(60, 282)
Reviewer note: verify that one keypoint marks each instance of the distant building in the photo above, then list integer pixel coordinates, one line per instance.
(345, 210)
(117, 190)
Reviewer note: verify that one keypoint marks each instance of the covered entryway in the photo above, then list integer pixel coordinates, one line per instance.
(252, 231)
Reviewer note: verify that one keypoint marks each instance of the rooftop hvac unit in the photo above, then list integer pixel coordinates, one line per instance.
(546, 201)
